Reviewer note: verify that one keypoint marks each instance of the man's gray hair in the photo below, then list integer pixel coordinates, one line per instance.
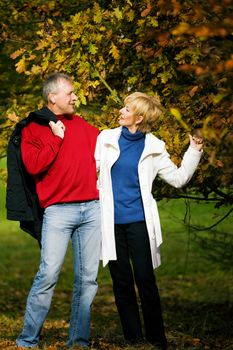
(51, 83)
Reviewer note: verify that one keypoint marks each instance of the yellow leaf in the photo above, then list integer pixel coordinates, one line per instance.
(154, 81)
(51, 4)
(193, 91)
(13, 117)
(98, 15)
(50, 21)
(219, 164)
(83, 99)
(45, 64)
(94, 84)
(176, 113)
(31, 57)
(92, 48)
(17, 53)
(145, 12)
(130, 15)
(114, 51)
(217, 98)
(20, 66)
(118, 13)
(42, 44)
(132, 80)
(36, 69)
(182, 28)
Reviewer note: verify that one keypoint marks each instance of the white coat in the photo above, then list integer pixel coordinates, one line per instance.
(154, 161)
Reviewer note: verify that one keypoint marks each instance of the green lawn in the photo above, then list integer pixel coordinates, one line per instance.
(196, 292)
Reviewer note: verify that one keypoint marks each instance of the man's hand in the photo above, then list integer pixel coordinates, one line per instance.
(57, 128)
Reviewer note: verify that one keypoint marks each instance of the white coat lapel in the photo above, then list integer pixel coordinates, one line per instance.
(112, 146)
(152, 146)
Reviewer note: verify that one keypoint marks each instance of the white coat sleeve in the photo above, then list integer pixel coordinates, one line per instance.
(97, 152)
(178, 177)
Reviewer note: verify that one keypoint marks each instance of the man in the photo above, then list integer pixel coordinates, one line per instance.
(60, 157)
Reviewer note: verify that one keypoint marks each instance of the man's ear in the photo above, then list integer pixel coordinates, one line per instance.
(51, 98)
(139, 119)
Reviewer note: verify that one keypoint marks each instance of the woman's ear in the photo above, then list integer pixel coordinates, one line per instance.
(139, 119)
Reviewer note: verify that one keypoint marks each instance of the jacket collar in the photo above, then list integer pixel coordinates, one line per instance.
(152, 144)
(113, 140)
(43, 116)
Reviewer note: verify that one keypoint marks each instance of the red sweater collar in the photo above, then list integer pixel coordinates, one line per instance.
(65, 116)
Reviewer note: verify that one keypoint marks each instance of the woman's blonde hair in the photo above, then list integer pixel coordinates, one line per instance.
(147, 106)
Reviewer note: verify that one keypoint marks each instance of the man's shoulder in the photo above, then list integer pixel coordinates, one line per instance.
(86, 124)
(33, 126)
(37, 119)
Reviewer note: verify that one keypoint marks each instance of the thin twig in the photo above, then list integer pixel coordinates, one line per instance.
(212, 226)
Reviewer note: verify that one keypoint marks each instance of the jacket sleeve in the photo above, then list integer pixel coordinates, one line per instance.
(38, 153)
(178, 176)
(97, 152)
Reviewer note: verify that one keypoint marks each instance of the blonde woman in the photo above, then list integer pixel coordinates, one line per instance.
(129, 158)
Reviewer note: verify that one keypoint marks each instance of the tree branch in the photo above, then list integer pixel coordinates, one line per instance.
(212, 226)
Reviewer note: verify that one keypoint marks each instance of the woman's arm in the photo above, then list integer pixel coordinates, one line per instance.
(180, 176)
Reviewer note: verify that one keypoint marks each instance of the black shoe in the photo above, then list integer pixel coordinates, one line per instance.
(135, 341)
(159, 344)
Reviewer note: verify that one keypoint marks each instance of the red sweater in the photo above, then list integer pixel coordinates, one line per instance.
(64, 169)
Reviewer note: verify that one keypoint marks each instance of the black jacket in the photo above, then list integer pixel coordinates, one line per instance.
(22, 203)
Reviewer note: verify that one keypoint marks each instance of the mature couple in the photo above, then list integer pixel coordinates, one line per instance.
(61, 156)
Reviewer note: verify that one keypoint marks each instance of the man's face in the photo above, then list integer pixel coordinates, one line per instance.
(64, 98)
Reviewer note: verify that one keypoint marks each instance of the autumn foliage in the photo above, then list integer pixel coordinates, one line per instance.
(181, 50)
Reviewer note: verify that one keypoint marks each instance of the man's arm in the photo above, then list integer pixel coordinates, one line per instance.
(39, 152)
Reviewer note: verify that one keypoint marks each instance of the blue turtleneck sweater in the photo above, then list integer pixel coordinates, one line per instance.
(128, 206)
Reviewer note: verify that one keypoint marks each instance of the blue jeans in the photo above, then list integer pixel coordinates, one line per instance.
(79, 222)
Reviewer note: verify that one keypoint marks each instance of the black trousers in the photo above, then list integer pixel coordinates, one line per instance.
(132, 245)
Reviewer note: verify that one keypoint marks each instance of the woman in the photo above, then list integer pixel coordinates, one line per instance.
(129, 158)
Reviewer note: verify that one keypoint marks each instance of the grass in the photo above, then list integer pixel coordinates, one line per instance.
(196, 291)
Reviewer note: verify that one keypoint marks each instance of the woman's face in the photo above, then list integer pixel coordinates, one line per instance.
(128, 119)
